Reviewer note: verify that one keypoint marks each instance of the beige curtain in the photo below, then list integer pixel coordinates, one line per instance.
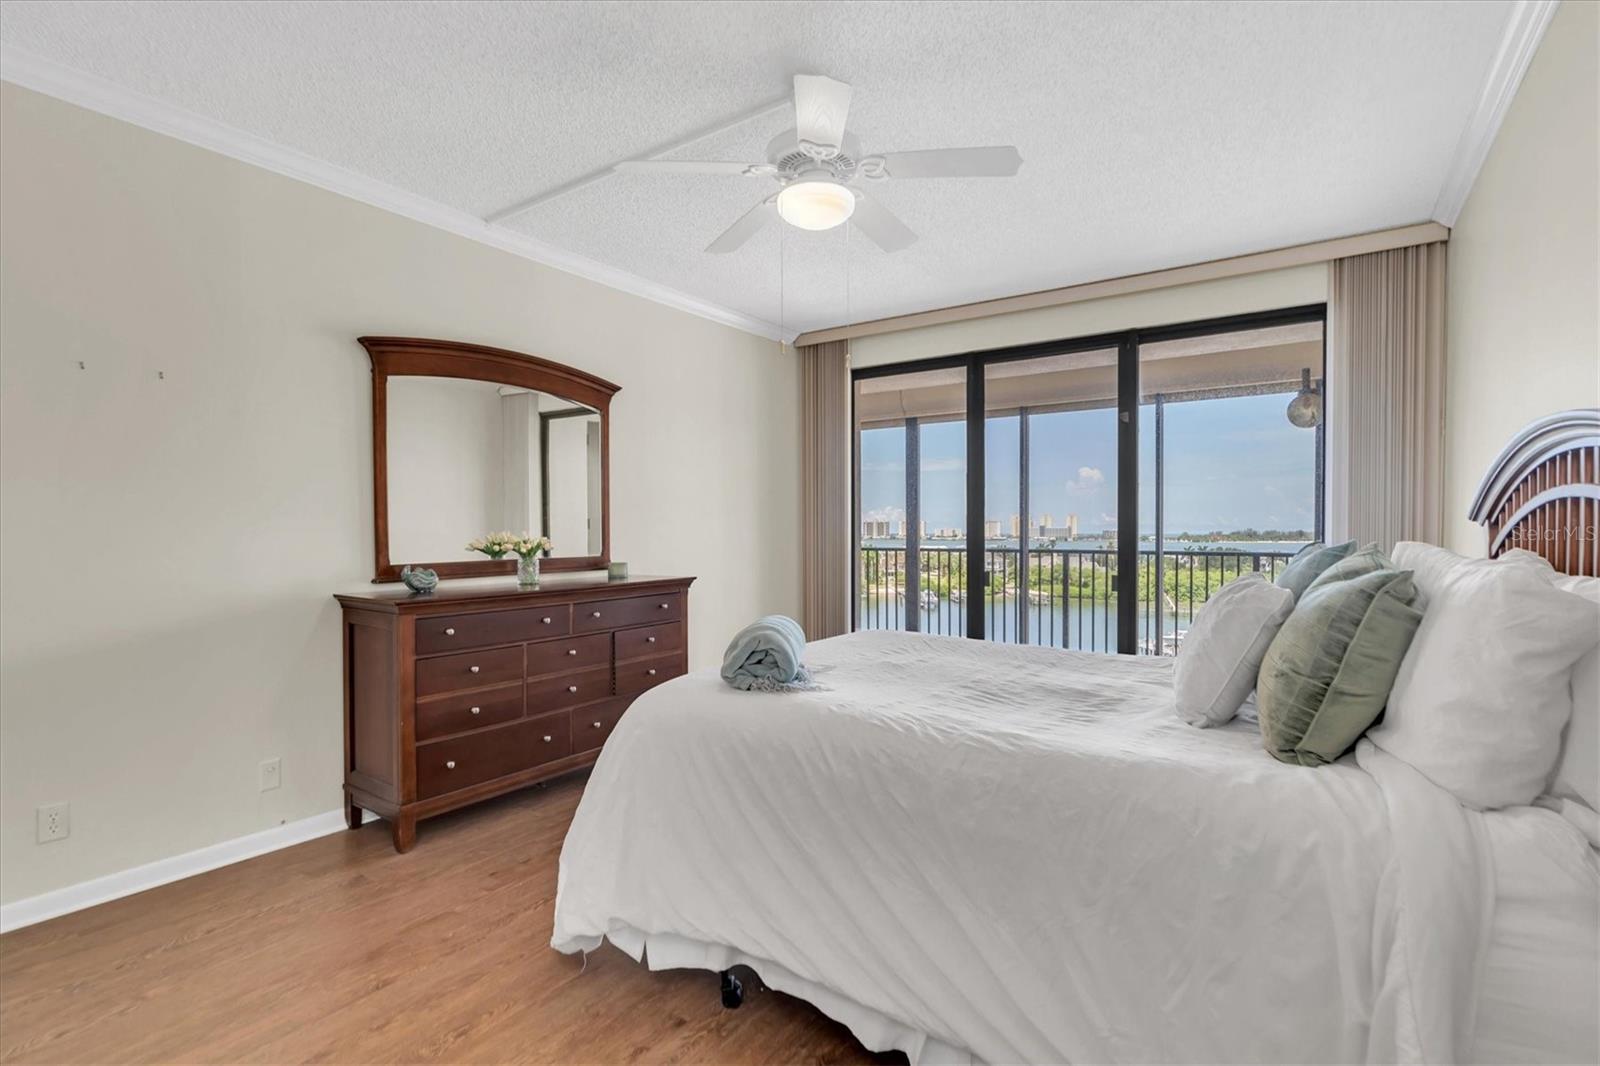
(825, 489)
(1386, 356)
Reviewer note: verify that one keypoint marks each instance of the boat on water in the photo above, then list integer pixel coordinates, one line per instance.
(1170, 643)
(929, 598)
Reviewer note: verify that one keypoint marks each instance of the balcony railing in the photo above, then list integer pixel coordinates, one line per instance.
(1067, 600)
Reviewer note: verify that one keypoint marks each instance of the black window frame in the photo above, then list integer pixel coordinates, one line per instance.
(1127, 342)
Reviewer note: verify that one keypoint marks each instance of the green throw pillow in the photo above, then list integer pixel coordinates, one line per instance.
(1327, 675)
(1309, 562)
(1365, 561)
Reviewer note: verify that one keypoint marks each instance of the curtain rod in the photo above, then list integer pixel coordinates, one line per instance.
(1211, 270)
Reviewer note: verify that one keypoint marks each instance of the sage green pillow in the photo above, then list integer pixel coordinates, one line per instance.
(1309, 563)
(1355, 564)
(1327, 674)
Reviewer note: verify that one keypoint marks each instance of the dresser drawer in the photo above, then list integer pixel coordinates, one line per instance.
(573, 653)
(468, 710)
(480, 630)
(646, 641)
(446, 765)
(593, 724)
(472, 669)
(564, 690)
(633, 611)
(638, 675)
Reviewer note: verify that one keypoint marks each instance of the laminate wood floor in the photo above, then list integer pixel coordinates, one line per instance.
(340, 950)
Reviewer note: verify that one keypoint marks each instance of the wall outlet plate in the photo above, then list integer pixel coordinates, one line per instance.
(54, 822)
(271, 773)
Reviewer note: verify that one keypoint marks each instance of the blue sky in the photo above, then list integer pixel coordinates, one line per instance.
(1230, 464)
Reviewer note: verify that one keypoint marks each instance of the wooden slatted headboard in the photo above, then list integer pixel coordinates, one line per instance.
(1543, 492)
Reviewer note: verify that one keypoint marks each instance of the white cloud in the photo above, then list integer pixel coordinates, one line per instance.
(1089, 479)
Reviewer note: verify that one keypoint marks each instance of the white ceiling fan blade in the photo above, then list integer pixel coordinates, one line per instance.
(820, 107)
(880, 225)
(999, 162)
(749, 224)
(688, 166)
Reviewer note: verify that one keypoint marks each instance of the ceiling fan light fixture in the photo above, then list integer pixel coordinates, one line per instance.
(816, 205)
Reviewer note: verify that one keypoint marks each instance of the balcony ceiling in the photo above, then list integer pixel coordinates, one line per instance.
(1152, 134)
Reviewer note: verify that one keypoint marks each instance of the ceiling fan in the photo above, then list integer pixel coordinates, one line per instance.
(817, 163)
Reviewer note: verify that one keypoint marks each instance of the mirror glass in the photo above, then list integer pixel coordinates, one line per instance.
(466, 458)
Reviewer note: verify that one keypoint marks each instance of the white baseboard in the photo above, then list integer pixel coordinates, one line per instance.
(164, 871)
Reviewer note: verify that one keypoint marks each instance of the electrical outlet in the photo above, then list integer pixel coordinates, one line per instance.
(54, 822)
(271, 774)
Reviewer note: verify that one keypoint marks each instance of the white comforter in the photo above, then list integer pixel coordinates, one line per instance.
(1023, 854)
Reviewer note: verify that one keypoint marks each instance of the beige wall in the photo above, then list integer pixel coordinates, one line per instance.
(168, 547)
(1523, 278)
(1267, 291)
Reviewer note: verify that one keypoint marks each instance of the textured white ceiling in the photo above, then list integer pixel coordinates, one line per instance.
(1152, 134)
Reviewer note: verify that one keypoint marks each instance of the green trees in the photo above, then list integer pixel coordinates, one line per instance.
(1189, 580)
(1056, 576)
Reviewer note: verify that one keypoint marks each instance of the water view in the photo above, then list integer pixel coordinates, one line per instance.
(1068, 599)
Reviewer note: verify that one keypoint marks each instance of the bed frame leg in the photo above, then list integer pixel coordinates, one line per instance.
(732, 990)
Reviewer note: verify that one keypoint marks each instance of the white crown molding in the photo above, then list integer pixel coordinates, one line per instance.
(1524, 30)
(97, 94)
(164, 871)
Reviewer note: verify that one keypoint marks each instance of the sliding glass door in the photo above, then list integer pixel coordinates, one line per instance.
(1050, 499)
(1087, 494)
(911, 504)
(1229, 481)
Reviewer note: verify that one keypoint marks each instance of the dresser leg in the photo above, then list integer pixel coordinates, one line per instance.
(404, 829)
(352, 813)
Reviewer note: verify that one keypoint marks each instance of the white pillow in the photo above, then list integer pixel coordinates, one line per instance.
(1577, 775)
(1221, 655)
(1484, 690)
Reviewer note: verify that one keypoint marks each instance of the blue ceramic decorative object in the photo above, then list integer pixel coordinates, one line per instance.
(420, 581)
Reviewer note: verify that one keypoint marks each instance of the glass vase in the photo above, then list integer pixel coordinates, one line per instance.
(528, 570)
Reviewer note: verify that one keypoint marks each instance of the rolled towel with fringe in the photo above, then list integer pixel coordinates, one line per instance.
(766, 655)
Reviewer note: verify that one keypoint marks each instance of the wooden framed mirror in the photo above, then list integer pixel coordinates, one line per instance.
(469, 440)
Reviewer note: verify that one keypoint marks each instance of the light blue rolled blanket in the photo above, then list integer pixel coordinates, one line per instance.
(766, 655)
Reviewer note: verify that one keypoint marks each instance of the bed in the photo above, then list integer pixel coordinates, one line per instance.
(980, 852)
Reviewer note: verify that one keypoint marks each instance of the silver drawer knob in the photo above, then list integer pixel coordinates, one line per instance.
(572, 688)
(652, 671)
(451, 765)
(546, 621)
(664, 606)
(595, 615)
(477, 710)
(450, 632)
(597, 725)
(547, 740)
(649, 640)
(473, 669)
(572, 651)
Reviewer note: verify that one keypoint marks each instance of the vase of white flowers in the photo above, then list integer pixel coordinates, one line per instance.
(527, 550)
(528, 569)
(494, 545)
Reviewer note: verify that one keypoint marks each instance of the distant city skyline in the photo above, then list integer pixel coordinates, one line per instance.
(1231, 464)
(1042, 526)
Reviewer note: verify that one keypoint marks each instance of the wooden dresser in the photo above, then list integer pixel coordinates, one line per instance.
(476, 690)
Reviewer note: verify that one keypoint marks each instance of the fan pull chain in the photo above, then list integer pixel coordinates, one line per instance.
(847, 273)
